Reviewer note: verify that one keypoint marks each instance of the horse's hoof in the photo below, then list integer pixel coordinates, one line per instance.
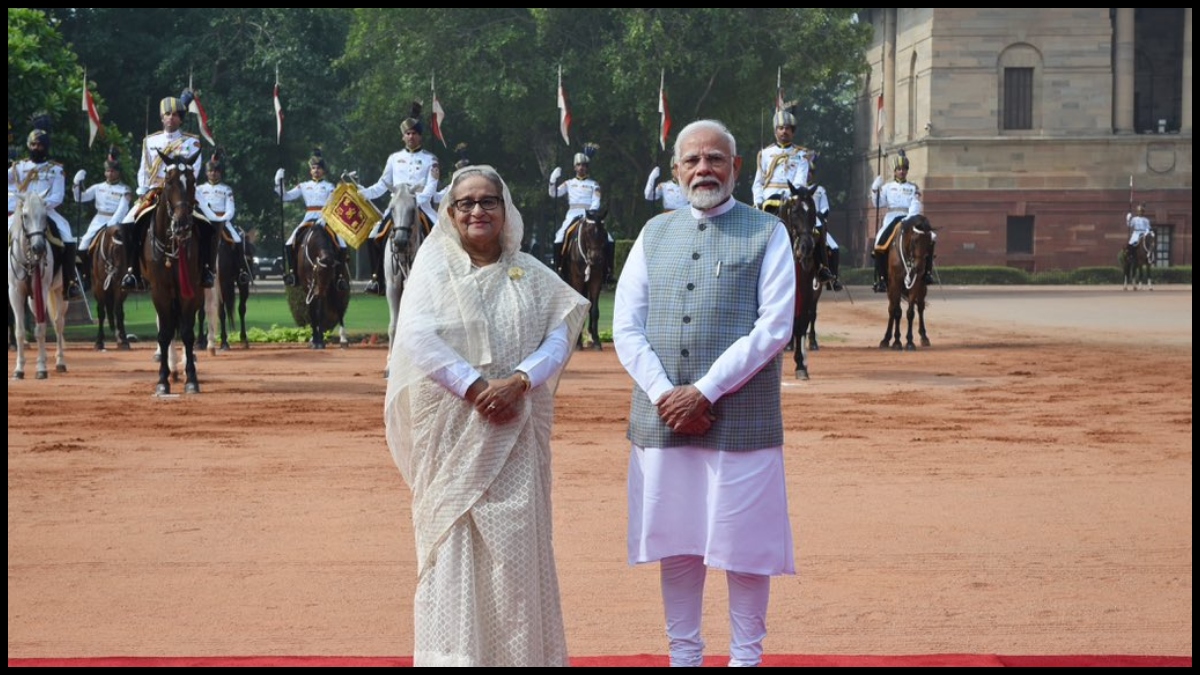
(60, 368)
(801, 374)
(925, 342)
(884, 344)
(898, 347)
(41, 375)
(191, 388)
(124, 346)
(343, 345)
(212, 351)
(18, 375)
(910, 347)
(157, 358)
(225, 347)
(814, 347)
(162, 390)
(99, 346)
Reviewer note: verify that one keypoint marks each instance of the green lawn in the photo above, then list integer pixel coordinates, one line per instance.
(366, 315)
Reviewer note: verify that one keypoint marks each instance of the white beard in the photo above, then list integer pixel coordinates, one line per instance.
(706, 197)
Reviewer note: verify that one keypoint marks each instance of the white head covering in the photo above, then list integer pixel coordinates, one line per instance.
(492, 317)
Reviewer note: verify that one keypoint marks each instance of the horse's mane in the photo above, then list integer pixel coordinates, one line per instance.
(33, 207)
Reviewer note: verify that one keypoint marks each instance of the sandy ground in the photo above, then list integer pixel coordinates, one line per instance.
(1024, 486)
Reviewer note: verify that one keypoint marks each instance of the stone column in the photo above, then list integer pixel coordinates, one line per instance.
(1123, 72)
(889, 73)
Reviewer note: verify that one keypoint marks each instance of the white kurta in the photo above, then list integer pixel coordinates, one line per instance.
(729, 507)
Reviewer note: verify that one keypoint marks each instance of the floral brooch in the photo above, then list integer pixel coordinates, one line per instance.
(515, 273)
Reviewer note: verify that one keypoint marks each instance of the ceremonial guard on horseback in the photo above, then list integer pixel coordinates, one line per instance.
(37, 173)
(902, 199)
(218, 196)
(669, 191)
(583, 195)
(413, 166)
(779, 167)
(821, 231)
(315, 192)
(112, 198)
(170, 142)
(1139, 227)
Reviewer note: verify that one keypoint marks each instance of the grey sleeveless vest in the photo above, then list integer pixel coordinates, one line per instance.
(703, 277)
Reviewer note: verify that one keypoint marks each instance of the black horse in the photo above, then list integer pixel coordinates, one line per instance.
(799, 213)
(322, 277)
(585, 245)
(1137, 265)
(233, 284)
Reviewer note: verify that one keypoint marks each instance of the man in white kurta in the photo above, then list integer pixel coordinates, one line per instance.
(704, 497)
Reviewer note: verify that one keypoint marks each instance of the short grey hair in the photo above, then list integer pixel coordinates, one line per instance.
(710, 125)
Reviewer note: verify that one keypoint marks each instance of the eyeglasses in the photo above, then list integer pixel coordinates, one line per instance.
(715, 159)
(468, 205)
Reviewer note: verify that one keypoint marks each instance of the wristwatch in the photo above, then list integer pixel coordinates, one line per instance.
(524, 379)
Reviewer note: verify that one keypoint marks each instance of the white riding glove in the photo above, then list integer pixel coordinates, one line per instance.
(279, 177)
(654, 173)
(142, 190)
(80, 176)
(555, 175)
(877, 184)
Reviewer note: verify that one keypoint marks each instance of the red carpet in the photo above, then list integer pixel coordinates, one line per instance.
(639, 660)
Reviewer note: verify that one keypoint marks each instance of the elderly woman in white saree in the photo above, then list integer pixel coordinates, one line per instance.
(484, 333)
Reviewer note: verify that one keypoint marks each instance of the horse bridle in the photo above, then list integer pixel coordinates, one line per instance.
(589, 257)
(909, 258)
(801, 238)
(180, 213)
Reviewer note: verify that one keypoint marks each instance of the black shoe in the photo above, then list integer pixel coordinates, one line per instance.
(929, 278)
(880, 286)
(243, 277)
(342, 284)
(837, 285)
(824, 275)
(73, 291)
(129, 282)
(208, 279)
(289, 279)
(372, 287)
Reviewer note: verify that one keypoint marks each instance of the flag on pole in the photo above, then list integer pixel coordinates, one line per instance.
(879, 118)
(438, 114)
(278, 111)
(779, 105)
(665, 127)
(564, 115)
(198, 109)
(89, 107)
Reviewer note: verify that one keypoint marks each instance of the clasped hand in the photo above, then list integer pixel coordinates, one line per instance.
(497, 400)
(686, 411)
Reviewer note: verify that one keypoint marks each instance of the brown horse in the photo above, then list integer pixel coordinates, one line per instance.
(799, 213)
(171, 264)
(1137, 266)
(584, 250)
(233, 285)
(322, 277)
(906, 255)
(108, 264)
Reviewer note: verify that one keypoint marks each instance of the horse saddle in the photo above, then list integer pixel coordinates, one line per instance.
(883, 247)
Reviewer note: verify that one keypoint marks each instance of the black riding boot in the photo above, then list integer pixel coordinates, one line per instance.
(70, 288)
(375, 253)
(133, 249)
(834, 266)
(880, 272)
(821, 255)
(207, 260)
(610, 249)
(243, 263)
(929, 264)
(289, 252)
(343, 270)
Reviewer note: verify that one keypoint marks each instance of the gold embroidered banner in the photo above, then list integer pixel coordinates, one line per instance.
(350, 214)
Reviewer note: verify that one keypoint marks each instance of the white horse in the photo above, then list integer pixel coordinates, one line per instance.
(405, 238)
(32, 281)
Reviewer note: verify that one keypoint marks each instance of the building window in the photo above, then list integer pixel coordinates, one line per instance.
(1018, 98)
(1162, 245)
(1020, 234)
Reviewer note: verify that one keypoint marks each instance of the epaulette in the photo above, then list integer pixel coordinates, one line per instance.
(186, 134)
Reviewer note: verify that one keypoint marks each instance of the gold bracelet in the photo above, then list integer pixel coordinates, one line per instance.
(524, 379)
